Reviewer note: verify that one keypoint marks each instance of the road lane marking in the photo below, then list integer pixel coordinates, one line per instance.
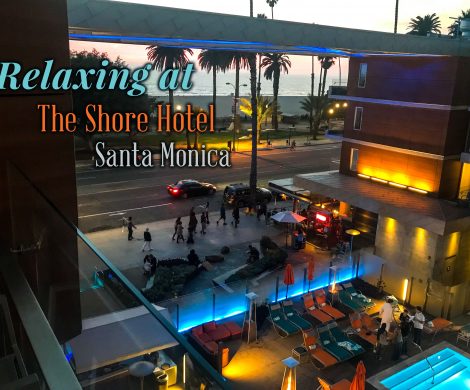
(117, 212)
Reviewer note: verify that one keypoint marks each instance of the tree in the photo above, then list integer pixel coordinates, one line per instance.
(454, 29)
(215, 61)
(308, 105)
(239, 60)
(254, 134)
(424, 26)
(274, 64)
(326, 63)
(112, 100)
(164, 58)
(264, 111)
(272, 3)
(260, 56)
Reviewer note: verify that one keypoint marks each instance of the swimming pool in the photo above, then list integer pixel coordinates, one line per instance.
(440, 368)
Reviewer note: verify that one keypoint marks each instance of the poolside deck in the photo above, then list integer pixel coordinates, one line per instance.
(258, 365)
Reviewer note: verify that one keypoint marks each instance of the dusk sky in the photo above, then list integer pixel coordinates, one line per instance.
(360, 14)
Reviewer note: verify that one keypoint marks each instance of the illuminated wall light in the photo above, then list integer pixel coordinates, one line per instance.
(405, 290)
(363, 176)
(418, 190)
(396, 184)
(379, 180)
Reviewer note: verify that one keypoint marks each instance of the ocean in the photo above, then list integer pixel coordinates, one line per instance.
(290, 84)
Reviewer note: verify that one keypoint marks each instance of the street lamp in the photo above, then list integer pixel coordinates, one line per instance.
(352, 233)
(235, 116)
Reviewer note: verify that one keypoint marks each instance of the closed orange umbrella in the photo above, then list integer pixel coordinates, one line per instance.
(310, 271)
(288, 277)
(359, 380)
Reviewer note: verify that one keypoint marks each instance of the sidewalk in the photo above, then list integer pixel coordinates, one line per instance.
(128, 255)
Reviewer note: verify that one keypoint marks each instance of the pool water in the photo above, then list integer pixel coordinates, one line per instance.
(451, 371)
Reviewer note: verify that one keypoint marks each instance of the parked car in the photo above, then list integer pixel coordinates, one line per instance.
(239, 194)
(187, 188)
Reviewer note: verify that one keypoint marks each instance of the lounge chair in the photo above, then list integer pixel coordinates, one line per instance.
(357, 296)
(316, 313)
(343, 340)
(343, 384)
(317, 353)
(294, 317)
(362, 331)
(280, 322)
(369, 323)
(347, 300)
(325, 306)
(329, 345)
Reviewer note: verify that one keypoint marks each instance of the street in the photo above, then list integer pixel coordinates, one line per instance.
(105, 196)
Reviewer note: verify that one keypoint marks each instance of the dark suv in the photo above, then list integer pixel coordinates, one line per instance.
(239, 194)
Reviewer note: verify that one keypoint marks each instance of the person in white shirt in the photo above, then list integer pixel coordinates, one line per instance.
(418, 323)
(386, 314)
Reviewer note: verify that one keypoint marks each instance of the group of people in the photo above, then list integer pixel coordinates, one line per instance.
(192, 225)
(398, 333)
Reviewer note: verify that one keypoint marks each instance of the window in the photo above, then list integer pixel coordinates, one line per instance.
(353, 159)
(358, 118)
(361, 81)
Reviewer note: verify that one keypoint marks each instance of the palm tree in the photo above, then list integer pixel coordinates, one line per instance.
(164, 58)
(214, 60)
(264, 110)
(326, 63)
(254, 134)
(239, 60)
(424, 26)
(272, 3)
(251, 8)
(260, 55)
(274, 64)
(308, 105)
(454, 29)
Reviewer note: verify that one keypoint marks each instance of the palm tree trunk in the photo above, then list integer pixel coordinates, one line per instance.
(236, 117)
(251, 8)
(258, 88)
(396, 17)
(312, 87)
(319, 83)
(171, 102)
(214, 90)
(254, 125)
(272, 12)
(276, 77)
(324, 82)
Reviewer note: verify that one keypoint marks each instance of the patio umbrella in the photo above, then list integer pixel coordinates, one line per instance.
(288, 277)
(310, 271)
(359, 380)
(288, 217)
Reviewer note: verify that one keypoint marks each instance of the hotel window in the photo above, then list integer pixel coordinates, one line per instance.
(358, 118)
(361, 81)
(353, 159)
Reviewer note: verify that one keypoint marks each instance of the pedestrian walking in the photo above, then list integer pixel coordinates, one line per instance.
(405, 326)
(124, 224)
(397, 341)
(418, 324)
(222, 214)
(179, 232)
(203, 223)
(177, 222)
(236, 216)
(205, 211)
(386, 314)
(147, 241)
(130, 229)
(192, 222)
(382, 341)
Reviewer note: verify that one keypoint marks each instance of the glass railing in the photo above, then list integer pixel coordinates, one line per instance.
(105, 324)
(110, 333)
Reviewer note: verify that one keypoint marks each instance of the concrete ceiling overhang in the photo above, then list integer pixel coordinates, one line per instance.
(119, 22)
